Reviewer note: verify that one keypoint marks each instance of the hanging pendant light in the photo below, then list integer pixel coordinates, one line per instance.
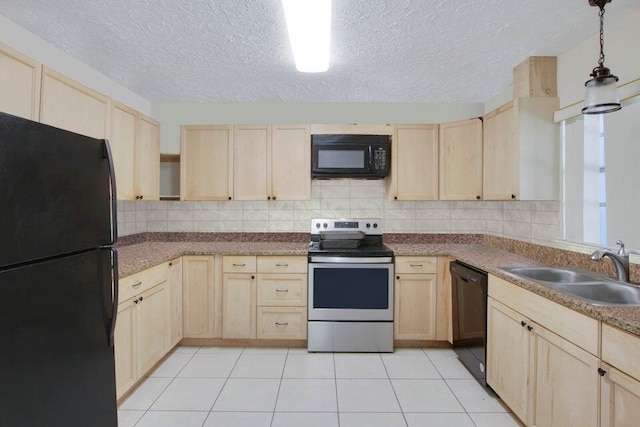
(602, 94)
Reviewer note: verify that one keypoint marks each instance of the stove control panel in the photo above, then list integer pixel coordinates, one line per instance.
(366, 225)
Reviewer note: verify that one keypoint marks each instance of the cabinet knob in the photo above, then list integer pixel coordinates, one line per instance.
(170, 264)
(398, 277)
(229, 197)
(601, 372)
(274, 197)
(268, 197)
(141, 197)
(478, 197)
(395, 197)
(513, 196)
(253, 277)
(530, 328)
(135, 301)
(523, 323)
(141, 298)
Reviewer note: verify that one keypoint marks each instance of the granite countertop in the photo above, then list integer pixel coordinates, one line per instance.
(492, 261)
(137, 257)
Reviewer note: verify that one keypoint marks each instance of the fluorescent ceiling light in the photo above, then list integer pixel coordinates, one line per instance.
(309, 26)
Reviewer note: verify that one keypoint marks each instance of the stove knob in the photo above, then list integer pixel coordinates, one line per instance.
(325, 225)
(318, 225)
(375, 225)
(368, 225)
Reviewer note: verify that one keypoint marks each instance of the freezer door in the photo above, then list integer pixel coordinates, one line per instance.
(55, 192)
(56, 362)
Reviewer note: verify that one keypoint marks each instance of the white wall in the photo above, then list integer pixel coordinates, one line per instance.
(622, 56)
(41, 51)
(173, 115)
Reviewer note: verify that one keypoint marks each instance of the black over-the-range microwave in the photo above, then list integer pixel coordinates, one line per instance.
(350, 156)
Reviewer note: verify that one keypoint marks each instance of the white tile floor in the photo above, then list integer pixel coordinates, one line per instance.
(220, 387)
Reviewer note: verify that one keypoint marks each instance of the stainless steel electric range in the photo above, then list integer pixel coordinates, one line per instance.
(350, 287)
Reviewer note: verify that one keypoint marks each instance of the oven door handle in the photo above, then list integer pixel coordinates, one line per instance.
(350, 260)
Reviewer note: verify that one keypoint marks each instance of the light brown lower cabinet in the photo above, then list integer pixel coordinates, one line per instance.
(415, 298)
(239, 305)
(620, 398)
(282, 323)
(198, 297)
(142, 335)
(544, 378)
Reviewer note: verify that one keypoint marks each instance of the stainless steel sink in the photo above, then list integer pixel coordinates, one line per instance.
(603, 293)
(552, 274)
(593, 288)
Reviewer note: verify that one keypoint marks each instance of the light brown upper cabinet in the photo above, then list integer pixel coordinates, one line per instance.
(290, 162)
(252, 162)
(69, 105)
(206, 163)
(135, 146)
(414, 168)
(461, 160)
(521, 154)
(147, 159)
(20, 84)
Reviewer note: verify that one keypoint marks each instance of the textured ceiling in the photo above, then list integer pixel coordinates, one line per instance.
(381, 51)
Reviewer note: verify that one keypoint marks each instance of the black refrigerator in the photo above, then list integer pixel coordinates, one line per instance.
(58, 277)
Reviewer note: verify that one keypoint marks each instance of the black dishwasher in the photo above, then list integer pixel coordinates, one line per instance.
(469, 310)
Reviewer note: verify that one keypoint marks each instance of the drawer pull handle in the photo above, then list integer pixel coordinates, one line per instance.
(239, 265)
(282, 290)
(415, 265)
(282, 323)
(137, 284)
(282, 265)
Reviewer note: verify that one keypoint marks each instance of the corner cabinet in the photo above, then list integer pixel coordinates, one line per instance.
(542, 358)
(200, 297)
(461, 160)
(69, 105)
(414, 157)
(20, 84)
(206, 163)
(521, 152)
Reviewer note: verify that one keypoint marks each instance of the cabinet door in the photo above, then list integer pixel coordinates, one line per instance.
(415, 307)
(564, 381)
(175, 286)
(508, 356)
(461, 160)
(252, 163)
(69, 105)
(20, 84)
(291, 163)
(500, 155)
(620, 399)
(206, 163)
(282, 323)
(238, 305)
(147, 159)
(198, 297)
(122, 142)
(153, 323)
(414, 173)
(125, 348)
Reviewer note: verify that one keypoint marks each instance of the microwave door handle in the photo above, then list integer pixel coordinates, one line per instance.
(370, 159)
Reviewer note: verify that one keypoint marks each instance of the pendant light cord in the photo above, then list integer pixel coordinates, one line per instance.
(601, 15)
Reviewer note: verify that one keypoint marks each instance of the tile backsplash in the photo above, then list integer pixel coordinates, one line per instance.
(533, 221)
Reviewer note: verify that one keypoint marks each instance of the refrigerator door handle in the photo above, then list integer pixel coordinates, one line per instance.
(114, 193)
(114, 293)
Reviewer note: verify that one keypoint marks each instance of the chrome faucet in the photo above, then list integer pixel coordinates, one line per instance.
(620, 260)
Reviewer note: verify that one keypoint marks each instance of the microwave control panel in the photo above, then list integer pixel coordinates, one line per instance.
(379, 159)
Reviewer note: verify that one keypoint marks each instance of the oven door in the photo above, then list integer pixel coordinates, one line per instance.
(351, 292)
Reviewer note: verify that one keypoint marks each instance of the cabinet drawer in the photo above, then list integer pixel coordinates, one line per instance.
(282, 264)
(239, 264)
(621, 349)
(282, 323)
(282, 290)
(415, 264)
(135, 284)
